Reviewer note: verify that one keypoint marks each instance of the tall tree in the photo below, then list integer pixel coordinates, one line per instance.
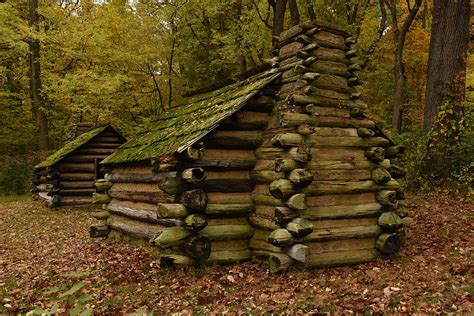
(310, 10)
(447, 58)
(279, 8)
(37, 101)
(294, 13)
(400, 33)
(446, 84)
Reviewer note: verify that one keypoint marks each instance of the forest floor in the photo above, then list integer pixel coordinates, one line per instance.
(48, 262)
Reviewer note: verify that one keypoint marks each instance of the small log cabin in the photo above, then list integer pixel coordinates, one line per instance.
(66, 178)
(282, 167)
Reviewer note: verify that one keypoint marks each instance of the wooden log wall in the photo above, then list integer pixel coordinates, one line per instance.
(70, 182)
(205, 193)
(336, 202)
(298, 177)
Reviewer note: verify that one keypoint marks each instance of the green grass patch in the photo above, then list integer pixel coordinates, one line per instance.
(13, 198)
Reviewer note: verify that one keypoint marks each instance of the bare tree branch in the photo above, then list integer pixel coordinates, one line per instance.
(265, 21)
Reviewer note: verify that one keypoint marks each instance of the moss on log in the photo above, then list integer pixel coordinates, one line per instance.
(346, 187)
(338, 258)
(229, 198)
(331, 68)
(320, 100)
(101, 215)
(97, 231)
(230, 256)
(266, 176)
(365, 132)
(246, 121)
(343, 141)
(396, 172)
(285, 164)
(380, 176)
(234, 139)
(349, 164)
(263, 223)
(342, 211)
(342, 233)
(227, 232)
(175, 260)
(171, 236)
(388, 243)
(100, 198)
(228, 210)
(299, 154)
(287, 140)
(140, 212)
(102, 185)
(171, 210)
(297, 202)
(194, 222)
(141, 196)
(394, 151)
(300, 227)
(375, 154)
(390, 221)
(342, 175)
(281, 189)
(300, 177)
(259, 244)
(288, 119)
(280, 237)
(387, 198)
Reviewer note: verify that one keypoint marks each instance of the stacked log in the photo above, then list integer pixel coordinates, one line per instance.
(70, 182)
(46, 187)
(352, 211)
(298, 177)
(195, 207)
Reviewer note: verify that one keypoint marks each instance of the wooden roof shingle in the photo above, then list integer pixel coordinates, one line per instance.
(186, 123)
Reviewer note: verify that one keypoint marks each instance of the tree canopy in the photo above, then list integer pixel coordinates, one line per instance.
(125, 62)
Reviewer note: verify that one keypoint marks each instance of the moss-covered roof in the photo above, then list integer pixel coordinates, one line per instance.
(70, 147)
(186, 123)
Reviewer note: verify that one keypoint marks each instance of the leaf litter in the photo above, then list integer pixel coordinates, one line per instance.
(48, 262)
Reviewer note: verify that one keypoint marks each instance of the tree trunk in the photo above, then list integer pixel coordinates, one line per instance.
(294, 13)
(446, 84)
(279, 9)
(400, 93)
(447, 59)
(310, 10)
(37, 102)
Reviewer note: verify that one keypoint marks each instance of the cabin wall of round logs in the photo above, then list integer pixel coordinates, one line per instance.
(297, 177)
(70, 181)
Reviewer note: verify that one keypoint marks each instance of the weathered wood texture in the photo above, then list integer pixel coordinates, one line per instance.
(299, 176)
(77, 171)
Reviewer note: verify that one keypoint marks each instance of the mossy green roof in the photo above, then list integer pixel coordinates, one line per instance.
(186, 123)
(70, 147)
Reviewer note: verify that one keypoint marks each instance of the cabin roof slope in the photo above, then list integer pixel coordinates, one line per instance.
(189, 121)
(70, 147)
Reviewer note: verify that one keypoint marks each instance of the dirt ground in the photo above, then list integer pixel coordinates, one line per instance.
(48, 263)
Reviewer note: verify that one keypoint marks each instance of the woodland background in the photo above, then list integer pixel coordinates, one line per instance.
(125, 62)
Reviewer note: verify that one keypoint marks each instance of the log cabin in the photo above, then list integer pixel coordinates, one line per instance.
(281, 166)
(66, 177)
